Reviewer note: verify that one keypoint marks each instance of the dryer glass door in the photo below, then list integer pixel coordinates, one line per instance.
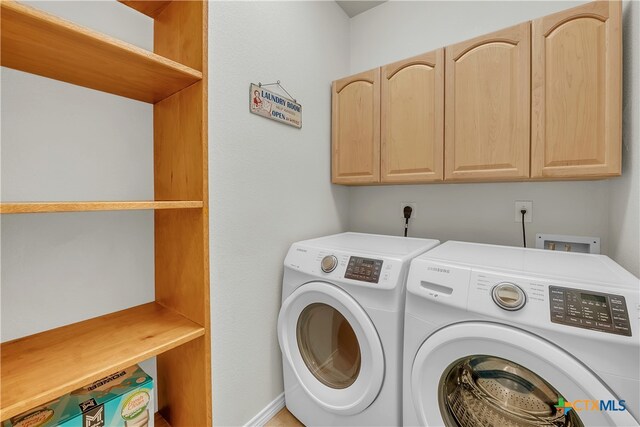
(490, 375)
(328, 345)
(332, 347)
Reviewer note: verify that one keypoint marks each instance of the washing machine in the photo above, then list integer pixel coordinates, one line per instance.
(340, 328)
(505, 336)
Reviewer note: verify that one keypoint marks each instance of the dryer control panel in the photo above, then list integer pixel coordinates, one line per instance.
(353, 269)
(590, 310)
(363, 269)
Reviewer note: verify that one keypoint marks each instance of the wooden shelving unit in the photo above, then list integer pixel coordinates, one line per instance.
(50, 207)
(159, 421)
(39, 43)
(149, 7)
(83, 352)
(176, 327)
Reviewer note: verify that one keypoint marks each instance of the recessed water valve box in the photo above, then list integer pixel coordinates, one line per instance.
(564, 243)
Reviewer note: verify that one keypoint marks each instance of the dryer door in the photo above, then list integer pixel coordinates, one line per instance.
(485, 374)
(332, 347)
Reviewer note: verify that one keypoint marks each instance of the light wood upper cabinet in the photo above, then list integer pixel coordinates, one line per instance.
(576, 89)
(487, 106)
(355, 129)
(541, 100)
(412, 119)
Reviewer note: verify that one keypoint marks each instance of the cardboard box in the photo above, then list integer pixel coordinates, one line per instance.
(123, 399)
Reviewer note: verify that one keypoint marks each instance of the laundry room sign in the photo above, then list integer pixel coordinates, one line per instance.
(275, 107)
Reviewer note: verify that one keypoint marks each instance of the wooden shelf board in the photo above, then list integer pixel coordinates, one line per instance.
(50, 207)
(39, 43)
(149, 7)
(159, 421)
(44, 366)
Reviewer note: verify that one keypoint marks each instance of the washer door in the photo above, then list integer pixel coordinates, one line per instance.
(332, 347)
(484, 374)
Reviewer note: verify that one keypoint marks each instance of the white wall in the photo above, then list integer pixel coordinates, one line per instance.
(399, 29)
(624, 220)
(485, 212)
(64, 142)
(270, 183)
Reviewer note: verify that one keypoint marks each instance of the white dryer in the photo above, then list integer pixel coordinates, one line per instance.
(340, 328)
(505, 336)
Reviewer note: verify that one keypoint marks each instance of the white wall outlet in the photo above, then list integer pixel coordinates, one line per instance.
(524, 204)
(414, 212)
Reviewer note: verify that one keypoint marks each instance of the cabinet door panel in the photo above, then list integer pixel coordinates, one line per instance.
(576, 118)
(356, 129)
(412, 126)
(487, 104)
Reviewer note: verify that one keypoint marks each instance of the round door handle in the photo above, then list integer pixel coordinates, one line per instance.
(329, 263)
(508, 296)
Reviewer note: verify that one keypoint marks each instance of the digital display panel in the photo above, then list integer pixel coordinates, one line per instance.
(595, 298)
(363, 269)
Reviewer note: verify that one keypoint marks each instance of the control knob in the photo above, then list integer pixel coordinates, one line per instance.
(508, 296)
(329, 263)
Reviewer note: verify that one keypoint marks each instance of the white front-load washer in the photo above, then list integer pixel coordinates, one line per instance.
(505, 336)
(340, 328)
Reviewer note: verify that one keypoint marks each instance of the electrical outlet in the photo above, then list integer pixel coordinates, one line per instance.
(414, 212)
(524, 204)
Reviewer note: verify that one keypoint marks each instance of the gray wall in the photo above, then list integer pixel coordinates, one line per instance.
(624, 219)
(270, 183)
(64, 142)
(485, 212)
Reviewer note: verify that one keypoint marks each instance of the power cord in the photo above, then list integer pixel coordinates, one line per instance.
(407, 215)
(524, 235)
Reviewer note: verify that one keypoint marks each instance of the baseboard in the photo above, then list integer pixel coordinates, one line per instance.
(267, 413)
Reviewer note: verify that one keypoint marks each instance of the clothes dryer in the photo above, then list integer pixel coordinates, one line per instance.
(340, 328)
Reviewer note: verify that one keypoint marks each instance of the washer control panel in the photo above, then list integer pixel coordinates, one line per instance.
(590, 310)
(363, 269)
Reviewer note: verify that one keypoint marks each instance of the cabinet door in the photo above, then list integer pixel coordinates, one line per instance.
(412, 126)
(355, 129)
(487, 107)
(576, 110)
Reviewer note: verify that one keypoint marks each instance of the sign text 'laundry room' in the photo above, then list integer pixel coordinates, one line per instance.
(275, 107)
